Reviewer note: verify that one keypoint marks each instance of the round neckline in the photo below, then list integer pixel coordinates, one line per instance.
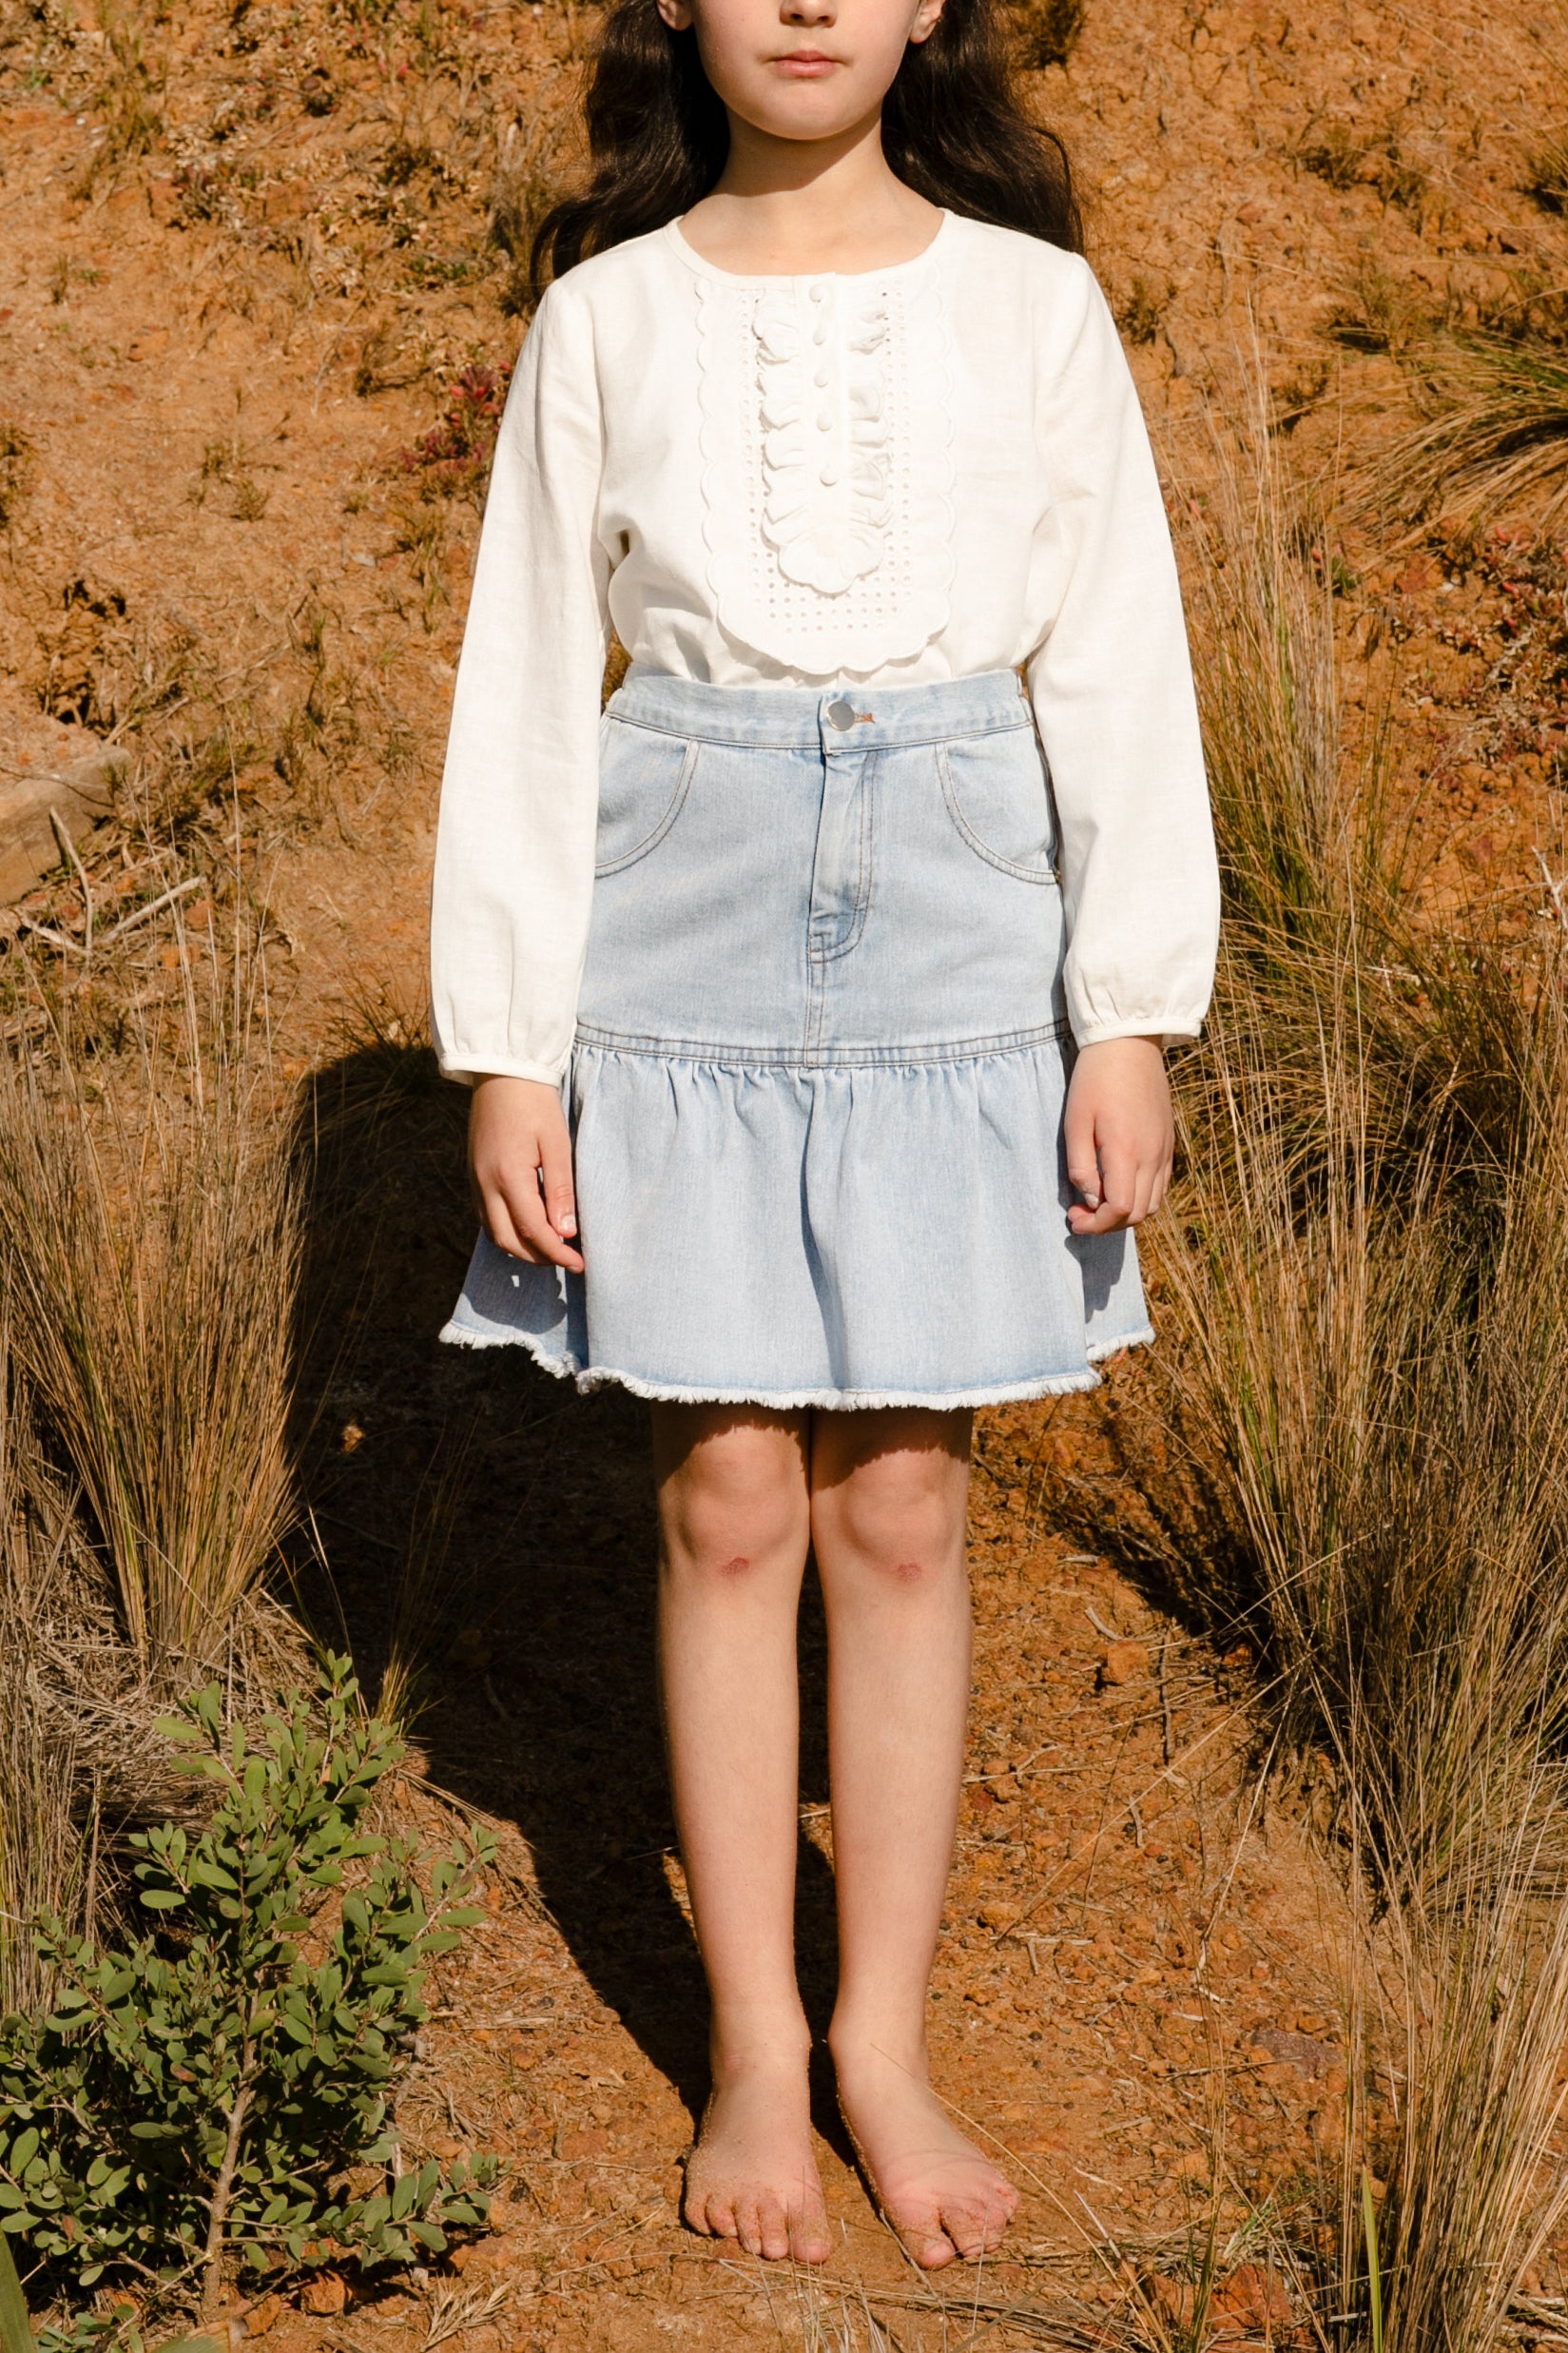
(807, 277)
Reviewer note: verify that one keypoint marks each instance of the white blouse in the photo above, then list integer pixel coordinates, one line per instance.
(911, 474)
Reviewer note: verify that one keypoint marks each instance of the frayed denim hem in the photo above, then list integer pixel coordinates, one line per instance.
(590, 1377)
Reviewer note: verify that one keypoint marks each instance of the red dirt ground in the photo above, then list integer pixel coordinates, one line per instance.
(246, 258)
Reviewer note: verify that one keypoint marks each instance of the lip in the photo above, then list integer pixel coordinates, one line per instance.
(805, 65)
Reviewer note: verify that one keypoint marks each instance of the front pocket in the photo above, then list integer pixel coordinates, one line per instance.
(999, 798)
(644, 777)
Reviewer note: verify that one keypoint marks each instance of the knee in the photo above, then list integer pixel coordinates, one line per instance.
(900, 1520)
(735, 1515)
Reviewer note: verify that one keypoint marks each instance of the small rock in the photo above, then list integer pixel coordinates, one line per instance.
(1124, 1663)
(324, 2294)
(575, 2144)
(1193, 2166)
(1254, 2295)
(1303, 2054)
(81, 794)
(264, 2316)
(1174, 2300)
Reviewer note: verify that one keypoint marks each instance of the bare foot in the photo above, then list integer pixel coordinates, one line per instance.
(941, 2196)
(753, 2175)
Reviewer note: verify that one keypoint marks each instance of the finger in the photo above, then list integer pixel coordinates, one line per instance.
(1143, 1185)
(560, 1195)
(497, 1222)
(1106, 1219)
(1118, 1187)
(1083, 1168)
(526, 1206)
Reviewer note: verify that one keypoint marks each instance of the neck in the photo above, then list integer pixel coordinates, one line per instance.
(811, 204)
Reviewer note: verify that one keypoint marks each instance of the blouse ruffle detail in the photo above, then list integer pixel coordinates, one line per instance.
(826, 423)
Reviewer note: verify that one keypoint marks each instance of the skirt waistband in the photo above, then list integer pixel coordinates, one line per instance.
(830, 719)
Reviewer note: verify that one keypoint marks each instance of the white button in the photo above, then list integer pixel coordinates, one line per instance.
(824, 422)
(828, 475)
(818, 333)
(821, 377)
(819, 294)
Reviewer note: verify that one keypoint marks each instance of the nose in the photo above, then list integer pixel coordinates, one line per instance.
(808, 12)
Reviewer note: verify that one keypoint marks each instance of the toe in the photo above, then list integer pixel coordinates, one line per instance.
(932, 2251)
(694, 2211)
(808, 2239)
(925, 2236)
(747, 2225)
(968, 2234)
(722, 2221)
(772, 2229)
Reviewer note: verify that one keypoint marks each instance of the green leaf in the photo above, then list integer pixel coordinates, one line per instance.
(23, 2148)
(405, 2195)
(173, 1728)
(15, 2327)
(161, 1898)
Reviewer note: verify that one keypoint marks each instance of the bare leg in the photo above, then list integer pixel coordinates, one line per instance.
(888, 1494)
(734, 1518)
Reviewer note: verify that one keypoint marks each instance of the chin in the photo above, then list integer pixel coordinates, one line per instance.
(783, 120)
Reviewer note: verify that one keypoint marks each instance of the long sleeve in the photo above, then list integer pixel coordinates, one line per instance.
(514, 843)
(1112, 686)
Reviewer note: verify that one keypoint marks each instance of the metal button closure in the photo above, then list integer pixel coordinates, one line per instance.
(843, 713)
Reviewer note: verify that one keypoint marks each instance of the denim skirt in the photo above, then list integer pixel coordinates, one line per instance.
(820, 1062)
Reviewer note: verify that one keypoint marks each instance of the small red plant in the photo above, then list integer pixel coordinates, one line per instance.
(454, 454)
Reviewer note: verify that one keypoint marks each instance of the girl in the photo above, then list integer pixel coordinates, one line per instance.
(814, 997)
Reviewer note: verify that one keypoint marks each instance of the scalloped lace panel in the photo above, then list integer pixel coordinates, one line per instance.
(827, 465)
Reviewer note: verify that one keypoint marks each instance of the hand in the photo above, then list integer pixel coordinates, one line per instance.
(1119, 1133)
(519, 1160)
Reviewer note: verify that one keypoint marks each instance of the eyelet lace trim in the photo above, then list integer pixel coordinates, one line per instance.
(826, 432)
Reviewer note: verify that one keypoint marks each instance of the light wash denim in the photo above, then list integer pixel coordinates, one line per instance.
(822, 1057)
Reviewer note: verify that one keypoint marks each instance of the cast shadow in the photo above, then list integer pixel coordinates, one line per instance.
(506, 1526)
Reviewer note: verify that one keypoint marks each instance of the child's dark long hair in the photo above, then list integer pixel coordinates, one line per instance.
(954, 128)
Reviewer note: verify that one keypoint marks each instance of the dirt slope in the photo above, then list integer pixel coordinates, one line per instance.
(257, 291)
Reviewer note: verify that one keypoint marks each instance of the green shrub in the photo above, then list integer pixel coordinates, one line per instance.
(218, 2093)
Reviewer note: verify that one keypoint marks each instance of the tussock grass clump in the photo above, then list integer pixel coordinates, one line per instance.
(41, 1847)
(1495, 444)
(151, 1255)
(1360, 1451)
(1048, 32)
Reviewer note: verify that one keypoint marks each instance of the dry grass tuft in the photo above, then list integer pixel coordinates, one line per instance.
(151, 1254)
(1496, 442)
(42, 1856)
(1361, 1451)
